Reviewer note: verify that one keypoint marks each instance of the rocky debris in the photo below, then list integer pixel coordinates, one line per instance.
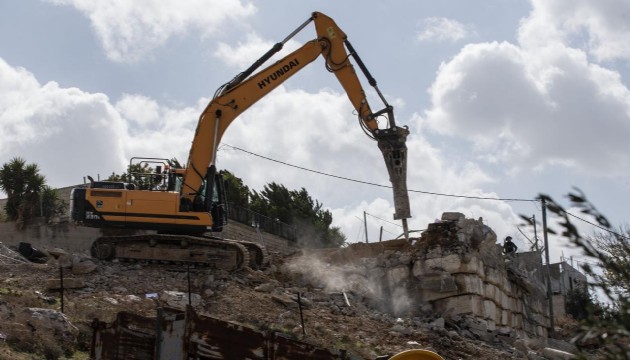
(68, 283)
(554, 354)
(178, 299)
(31, 253)
(57, 252)
(47, 299)
(455, 269)
(5, 311)
(83, 267)
(344, 305)
(285, 300)
(50, 321)
(267, 287)
(8, 256)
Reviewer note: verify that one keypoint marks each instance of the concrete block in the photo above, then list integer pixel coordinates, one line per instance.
(495, 277)
(452, 216)
(517, 321)
(489, 310)
(469, 284)
(473, 266)
(504, 300)
(464, 304)
(505, 317)
(397, 276)
(450, 263)
(437, 286)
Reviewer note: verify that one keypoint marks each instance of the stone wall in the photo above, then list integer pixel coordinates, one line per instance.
(457, 271)
(236, 230)
(78, 239)
(74, 238)
(461, 255)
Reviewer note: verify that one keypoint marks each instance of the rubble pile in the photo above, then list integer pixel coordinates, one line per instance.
(8, 256)
(455, 271)
(450, 291)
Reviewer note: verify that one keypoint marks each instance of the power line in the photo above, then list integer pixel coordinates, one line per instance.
(598, 226)
(389, 222)
(389, 232)
(535, 201)
(378, 185)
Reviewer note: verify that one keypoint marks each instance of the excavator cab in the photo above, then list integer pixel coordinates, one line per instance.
(150, 197)
(212, 198)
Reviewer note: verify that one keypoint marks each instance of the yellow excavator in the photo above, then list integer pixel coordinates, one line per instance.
(185, 204)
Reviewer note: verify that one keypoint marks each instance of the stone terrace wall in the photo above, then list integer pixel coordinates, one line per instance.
(456, 271)
(78, 239)
(236, 230)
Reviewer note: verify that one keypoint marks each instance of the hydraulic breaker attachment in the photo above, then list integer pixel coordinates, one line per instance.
(391, 142)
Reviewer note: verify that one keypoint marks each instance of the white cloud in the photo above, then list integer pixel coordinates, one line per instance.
(71, 133)
(600, 28)
(243, 54)
(140, 110)
(131, 30)
(441, 29)
(155, 130)
(532, 107)
(68, 132)
(246, 53)
(293, 127)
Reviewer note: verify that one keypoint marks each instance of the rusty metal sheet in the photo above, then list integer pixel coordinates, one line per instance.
(178, 335)
(130, 336)
(289, 349)
(211, 338)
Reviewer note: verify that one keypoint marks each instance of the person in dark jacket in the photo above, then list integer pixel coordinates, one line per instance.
(508, 246)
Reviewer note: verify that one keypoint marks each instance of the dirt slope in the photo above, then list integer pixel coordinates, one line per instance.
(260, 299)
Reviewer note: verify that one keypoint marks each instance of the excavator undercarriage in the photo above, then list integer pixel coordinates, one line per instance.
(222, 254)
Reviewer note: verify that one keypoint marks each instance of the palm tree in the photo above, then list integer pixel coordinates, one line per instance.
(23, 185)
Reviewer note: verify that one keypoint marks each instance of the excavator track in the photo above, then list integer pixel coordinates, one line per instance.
(258, 254)
(216, 253)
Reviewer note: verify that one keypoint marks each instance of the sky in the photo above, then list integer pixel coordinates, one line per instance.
(504, 99)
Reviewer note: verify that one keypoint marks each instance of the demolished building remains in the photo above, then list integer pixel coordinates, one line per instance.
(455, 270)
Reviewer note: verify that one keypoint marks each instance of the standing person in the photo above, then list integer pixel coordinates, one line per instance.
(508, 246)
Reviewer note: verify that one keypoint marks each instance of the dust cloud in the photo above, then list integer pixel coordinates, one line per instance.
(364, 279)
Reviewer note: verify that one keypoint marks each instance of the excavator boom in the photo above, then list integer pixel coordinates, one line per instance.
(244, 90)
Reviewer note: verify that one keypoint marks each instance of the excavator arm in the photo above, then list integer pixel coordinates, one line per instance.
(183, 204)
(232, 99)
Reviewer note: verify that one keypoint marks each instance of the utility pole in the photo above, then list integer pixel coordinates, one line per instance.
(365, 224)
(535, 234)
(549, 291)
